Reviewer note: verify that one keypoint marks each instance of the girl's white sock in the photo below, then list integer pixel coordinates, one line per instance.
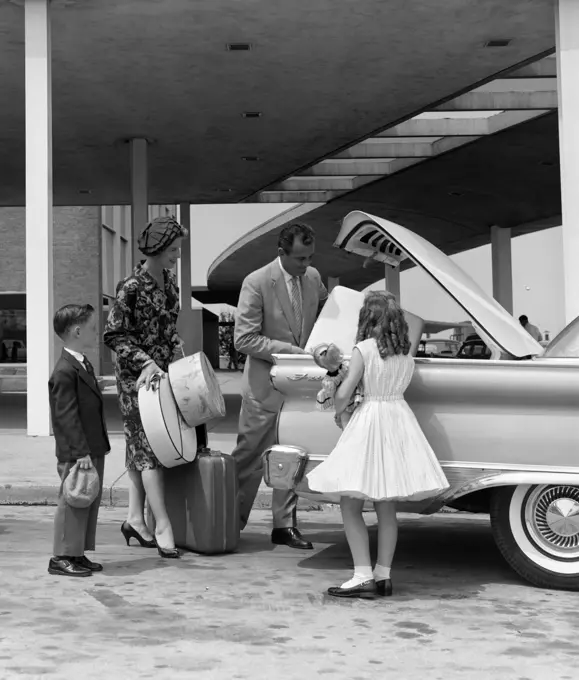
(381, 573)
(361, 575)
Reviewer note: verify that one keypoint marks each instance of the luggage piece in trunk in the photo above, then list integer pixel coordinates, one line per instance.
(202, 503)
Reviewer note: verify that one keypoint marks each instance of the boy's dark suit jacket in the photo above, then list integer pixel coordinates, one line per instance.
(77, 410)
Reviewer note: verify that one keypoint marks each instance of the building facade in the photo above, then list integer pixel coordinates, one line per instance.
(92, 253)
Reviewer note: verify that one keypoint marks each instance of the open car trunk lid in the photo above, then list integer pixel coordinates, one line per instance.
(384, 241)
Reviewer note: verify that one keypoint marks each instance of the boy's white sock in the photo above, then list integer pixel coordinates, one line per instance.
(381, 573)
(361, 575)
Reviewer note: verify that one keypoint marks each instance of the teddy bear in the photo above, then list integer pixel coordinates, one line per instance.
(329, 357)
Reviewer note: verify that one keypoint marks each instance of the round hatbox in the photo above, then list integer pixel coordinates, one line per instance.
(196, 390)
(172, 440)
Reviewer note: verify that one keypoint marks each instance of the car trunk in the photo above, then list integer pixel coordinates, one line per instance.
(378, 239)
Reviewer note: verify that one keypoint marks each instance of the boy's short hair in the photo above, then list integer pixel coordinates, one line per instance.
(69, 316)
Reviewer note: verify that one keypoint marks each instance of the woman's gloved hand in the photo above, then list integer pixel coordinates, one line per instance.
(328, 357)
(150, 372)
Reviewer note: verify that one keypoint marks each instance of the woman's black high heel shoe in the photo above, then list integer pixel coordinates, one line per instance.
(171, 554)
(384, 587)
(128, 532)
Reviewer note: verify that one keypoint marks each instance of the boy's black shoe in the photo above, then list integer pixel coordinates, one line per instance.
(87, 564)
(65, 566)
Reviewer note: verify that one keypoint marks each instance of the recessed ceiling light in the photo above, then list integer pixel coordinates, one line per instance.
(238, 47)
(500, 42)
(252, 114)
(250, 158)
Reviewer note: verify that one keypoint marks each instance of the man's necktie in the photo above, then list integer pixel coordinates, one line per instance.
(297, 303)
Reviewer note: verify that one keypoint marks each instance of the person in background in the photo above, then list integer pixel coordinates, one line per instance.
(278, 306)
(533, 331)
(80, 434)
(142, 331)
(233, 359)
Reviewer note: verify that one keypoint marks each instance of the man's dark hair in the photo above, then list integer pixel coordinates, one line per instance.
(69, 316)
(295, 230)
(524, 318)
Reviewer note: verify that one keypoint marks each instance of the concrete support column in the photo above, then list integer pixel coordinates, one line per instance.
(333, 281)
(567, 40)
(392, 280)
(39, 237)
(186, 316)
(139, 192)
(502, 267)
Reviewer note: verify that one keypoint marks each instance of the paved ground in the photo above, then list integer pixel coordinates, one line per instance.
(459, 612)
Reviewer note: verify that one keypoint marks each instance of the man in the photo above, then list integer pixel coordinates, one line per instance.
(531, 330)
(277, 309)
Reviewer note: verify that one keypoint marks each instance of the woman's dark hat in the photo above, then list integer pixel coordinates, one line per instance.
(159, 234)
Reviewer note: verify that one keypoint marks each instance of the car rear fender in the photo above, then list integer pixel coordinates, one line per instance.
(510, 478)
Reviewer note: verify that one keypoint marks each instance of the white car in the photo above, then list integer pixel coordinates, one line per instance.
(505, 428)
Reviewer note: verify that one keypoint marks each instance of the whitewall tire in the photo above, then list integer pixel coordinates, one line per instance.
(536, 528)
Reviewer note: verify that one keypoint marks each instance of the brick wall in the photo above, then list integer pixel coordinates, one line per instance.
(12, 250)
(77, 259)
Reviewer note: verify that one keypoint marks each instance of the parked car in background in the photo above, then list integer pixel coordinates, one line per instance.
(505, 429)
(473, 348)
(437, 348)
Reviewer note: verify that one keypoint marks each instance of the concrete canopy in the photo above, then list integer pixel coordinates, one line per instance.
(323, 75)
(510, 179)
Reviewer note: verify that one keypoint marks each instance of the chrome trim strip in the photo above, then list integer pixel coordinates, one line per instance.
(543, 362)
(509, 468)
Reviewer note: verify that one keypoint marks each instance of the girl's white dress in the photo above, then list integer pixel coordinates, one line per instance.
(382, 453)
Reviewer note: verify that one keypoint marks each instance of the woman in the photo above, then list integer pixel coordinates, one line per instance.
(382, 455)
(142, 331)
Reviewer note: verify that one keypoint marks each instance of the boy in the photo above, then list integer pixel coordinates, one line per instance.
(80, 433)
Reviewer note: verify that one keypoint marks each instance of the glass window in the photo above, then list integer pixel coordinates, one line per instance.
(12, 336)
(108, 262)
(126, 257)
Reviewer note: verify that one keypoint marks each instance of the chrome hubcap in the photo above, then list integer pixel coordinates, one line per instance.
(563, 517)
(552, 519)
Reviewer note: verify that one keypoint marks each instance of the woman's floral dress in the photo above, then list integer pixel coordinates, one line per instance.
(142, 325)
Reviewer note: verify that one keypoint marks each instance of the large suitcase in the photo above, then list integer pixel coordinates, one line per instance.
(202, 503)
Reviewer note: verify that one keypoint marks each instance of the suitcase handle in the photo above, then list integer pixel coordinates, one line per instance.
(210, 452)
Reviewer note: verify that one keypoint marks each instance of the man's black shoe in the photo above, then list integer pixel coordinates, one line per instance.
(87, 564)
(290, 537)
(65, 566)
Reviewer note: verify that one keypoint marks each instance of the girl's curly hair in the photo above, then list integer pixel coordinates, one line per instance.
(382, 319)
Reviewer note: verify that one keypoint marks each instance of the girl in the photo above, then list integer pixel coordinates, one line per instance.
(382, 455)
